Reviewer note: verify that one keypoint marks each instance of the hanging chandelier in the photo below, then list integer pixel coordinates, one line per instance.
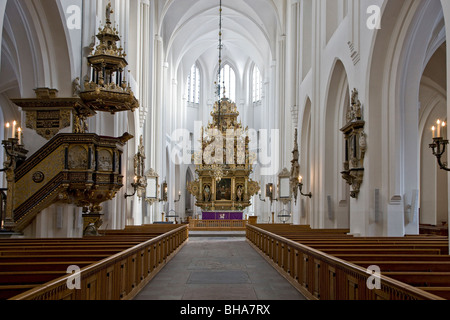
(219, 76)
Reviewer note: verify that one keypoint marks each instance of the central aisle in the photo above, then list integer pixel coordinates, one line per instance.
(216, 267)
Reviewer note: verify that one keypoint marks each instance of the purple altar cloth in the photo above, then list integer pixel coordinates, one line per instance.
(222, 216)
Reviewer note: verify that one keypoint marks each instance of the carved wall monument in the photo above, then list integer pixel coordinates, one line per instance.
(355, 146)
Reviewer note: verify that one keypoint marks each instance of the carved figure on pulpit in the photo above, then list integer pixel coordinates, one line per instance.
(109, 11)
(80, 124)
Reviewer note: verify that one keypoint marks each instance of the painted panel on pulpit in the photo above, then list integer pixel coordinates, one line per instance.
(223, 188)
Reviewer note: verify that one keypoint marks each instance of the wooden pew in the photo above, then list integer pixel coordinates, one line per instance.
(443, 292)
(421, 279)
(392, 257)
(27, 264)
(417, 261)
(41, 266)
(399, 266)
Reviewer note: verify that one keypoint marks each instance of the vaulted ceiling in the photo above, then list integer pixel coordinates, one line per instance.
(190, 32)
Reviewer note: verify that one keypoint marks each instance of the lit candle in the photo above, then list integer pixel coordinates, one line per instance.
(300, 179)
(8, 125)
(438, 128)
(14, 129)
(19, 133)
(433, 129)
(135, 179)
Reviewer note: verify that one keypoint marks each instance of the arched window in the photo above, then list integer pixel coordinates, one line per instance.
(228, 79)
(193, 86)
(257, 85)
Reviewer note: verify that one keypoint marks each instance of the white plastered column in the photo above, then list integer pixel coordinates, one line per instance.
(446, 9)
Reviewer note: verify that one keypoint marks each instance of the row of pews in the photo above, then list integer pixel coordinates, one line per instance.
(113, 266)
(330, 264)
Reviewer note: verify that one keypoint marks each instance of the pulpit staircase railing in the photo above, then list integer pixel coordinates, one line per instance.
(80, 169)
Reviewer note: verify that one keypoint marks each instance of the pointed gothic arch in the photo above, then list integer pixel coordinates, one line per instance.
(401, 51)
(336, 191)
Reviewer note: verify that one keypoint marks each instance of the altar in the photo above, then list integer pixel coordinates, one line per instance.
(222, 215)
(224, 189)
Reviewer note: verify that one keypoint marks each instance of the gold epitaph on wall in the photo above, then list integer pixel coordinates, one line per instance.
(224, 164)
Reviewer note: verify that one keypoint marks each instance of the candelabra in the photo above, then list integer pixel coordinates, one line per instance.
(16, 154)
(439, 144)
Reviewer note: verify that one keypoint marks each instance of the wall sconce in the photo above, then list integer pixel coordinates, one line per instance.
(179, 197)
(439, 144)
(270, 191)
(164, 192)
(262, 199)
(300, 188)
(139, 186)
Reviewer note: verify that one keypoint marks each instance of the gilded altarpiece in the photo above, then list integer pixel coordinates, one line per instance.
(224, 164)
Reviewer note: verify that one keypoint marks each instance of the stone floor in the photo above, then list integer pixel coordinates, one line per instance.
(218, 266)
